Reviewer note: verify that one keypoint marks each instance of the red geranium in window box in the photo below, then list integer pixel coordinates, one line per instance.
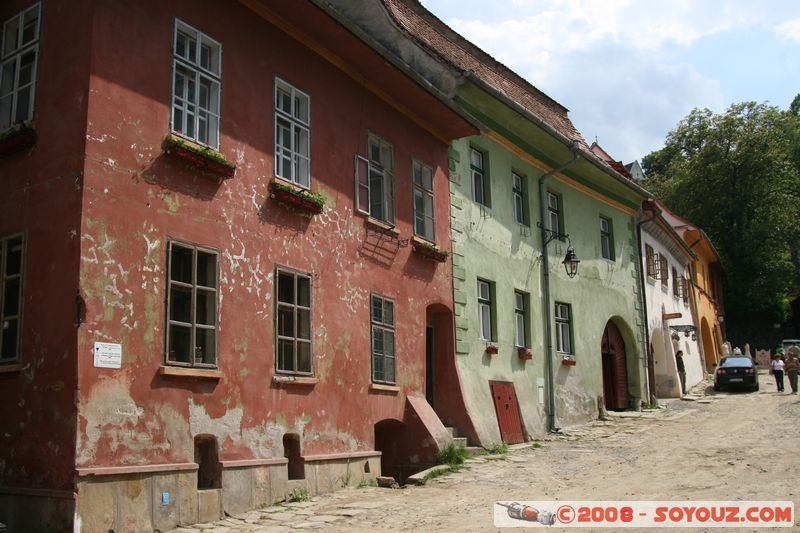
(491, 349)
(289, 195)
(569, 361)
(18, 138)
(525, 354)
(198, 156)
(429, 250)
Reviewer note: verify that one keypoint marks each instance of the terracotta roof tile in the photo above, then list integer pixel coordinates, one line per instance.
(455, 49)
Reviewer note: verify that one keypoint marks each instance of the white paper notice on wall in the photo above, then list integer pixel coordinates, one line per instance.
(107, 355)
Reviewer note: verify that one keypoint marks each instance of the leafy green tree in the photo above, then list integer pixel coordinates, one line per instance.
(736, 175)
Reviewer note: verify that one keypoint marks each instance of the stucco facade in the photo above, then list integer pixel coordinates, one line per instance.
(134, 444)
(667, 262)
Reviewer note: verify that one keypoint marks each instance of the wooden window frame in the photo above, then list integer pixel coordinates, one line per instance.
(521, 306)
(15, 55)
(376, 169)
(384, 326)
(293, 121)
(607, 239)
(418, 188)
(555, 208)
(563, 328)
(478, 174)
(485, 303)
(520, 198)
(295, 308)
(5, 278)
(193, 323)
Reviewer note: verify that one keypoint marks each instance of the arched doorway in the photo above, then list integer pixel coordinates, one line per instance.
(615, 369)
(709, 352)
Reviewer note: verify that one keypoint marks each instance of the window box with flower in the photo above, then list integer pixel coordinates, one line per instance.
(199, 156)
(296, 197)
(429, 250)
(568, 360)
(18, 138)
(525, 354)
(491, 349)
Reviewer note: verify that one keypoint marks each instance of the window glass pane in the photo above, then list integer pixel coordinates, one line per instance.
(476, 158)
(552, 201)
(285, 288)
(520, 330)
(301, 142)
(483, 290)
(23, 105)
(30, 26)
(5, 112)
(286, 321)
(286, 355)
(376, 197)
(206, 350)
(181, 264)
(11, 35)
(377, 341)
(8, 349)
(14, 259)
(303, 172)
(301, 108)
(180, 301)
(486, 322)
(283, 100)
(388, 312)
(377, 309)
(179, 344)
(554, 221)
(304, 324)
(206, 269)
(11, 298)
(206, 312)
(477, 187)
(519, 301)
(303, 356)
(7, 77)
(378, 373)
(303, 291)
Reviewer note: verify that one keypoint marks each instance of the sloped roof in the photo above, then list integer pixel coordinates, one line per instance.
(616, 165)
(455, 49)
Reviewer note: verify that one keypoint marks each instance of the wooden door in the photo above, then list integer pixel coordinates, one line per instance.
(507, 409)
(615, 369)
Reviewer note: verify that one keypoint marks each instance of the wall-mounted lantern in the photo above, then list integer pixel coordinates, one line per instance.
(570, 262)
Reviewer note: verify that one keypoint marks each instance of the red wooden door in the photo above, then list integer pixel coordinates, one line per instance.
(615, 369)
(505, 404)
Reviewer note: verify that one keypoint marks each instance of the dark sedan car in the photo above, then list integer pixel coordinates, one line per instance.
(736, 371)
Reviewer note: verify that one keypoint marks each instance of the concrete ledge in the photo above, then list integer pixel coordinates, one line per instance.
(133, 469)
(10, 368)
(419, 477)
(244, 463)
(339, 456)
(384, 388)
(280, 379)
(189, 372)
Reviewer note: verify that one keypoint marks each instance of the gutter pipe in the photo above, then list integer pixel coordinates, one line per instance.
(643, 287)
(548, 328)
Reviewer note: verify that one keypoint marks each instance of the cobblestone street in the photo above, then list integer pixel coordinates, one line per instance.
(713, 446)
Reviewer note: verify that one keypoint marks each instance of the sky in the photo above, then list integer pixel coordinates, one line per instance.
(630, 70)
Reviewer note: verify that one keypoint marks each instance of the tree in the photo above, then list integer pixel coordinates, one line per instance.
(736, 175)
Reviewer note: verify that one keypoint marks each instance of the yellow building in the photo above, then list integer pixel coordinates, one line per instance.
(706, 283)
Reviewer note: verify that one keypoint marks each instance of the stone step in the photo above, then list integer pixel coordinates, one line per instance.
(452, 431)
(472, 451)
(460, 441)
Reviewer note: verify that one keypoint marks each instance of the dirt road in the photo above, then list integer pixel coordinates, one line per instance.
(722, 446)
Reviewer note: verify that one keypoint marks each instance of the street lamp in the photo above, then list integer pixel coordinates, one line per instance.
(570, 262)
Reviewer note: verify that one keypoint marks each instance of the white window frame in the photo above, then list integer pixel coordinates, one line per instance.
(296, 309)
(11, 60)
(426, 218)
(607, 239)
(518, 192)
(485, 310)
(563, 319)
(477, 166)
(381, 169)
(520, 320)
(5, 278)
(651, 265)
(195, 72)
(299, 174)
(193, 324)
(383, 327)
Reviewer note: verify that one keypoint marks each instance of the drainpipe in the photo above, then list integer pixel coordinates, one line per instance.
(643, 287)
(548, 328)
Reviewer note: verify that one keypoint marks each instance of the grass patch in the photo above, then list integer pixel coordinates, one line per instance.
(536, 445)
(369, 482)
(441, 472)
(298, 495)
(499, 449)
(452, 455)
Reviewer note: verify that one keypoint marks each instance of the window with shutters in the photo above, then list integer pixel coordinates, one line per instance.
(663, 271)
(18, 63)
(651, 263)
(375, 180)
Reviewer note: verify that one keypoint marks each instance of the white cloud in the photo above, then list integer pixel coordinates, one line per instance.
(789, 30)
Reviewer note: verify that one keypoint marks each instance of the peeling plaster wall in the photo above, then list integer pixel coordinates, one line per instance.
(40, 195)
(136, 199)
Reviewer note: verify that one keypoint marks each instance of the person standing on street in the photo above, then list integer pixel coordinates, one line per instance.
(792, 368)
(777, 367)
(681, 370)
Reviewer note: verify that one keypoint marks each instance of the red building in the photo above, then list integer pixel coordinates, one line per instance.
(222, 229)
